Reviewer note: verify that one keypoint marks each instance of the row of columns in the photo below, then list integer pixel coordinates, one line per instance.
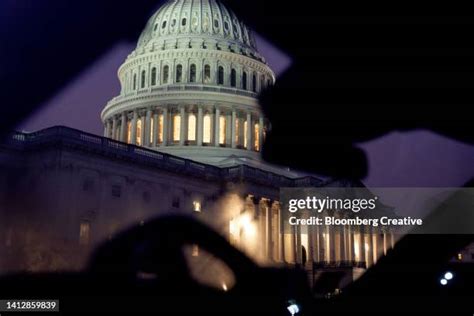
(326, 245)
(123, 127)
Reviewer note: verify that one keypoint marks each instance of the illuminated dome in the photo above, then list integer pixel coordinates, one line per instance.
(190, 87)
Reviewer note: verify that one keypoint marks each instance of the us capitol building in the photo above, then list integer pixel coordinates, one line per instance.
(183, 136)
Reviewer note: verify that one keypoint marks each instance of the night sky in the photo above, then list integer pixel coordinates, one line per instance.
(418, 159)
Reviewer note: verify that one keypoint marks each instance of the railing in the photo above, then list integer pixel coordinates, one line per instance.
(71, 137)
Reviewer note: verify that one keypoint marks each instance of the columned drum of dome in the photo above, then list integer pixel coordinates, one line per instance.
(190, 87)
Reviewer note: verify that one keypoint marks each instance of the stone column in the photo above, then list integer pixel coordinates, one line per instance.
(341, 245)
(233, 130)
(298, 248)
(123, 128)
(147, 128)
(281, 233)
(292, 244)
(200, 127)
(249, 131)
(134, 128)
(260, 133)
(108, 128)
(182, 134)
(217, 127)
(370, 251)
(156, 129)
(269, 230)
(165, 126)
(362, 246)
(114, 128)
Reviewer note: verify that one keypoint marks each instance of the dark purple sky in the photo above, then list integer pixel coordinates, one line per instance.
(400, 159)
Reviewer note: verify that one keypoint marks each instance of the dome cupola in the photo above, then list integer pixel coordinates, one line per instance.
(190, 86)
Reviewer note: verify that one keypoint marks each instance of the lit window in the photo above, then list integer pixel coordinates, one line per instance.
(245, 133)
(257, 137)
(179, 73)
(153, 76)
(176, 128)
(222, 130)
(459, 256)
(220, 75)
(152, 130)
(195, 251)
(244, 81)
(192, 127)
(129, 132)
(139, 132)
(84, 232)
(166, 74)
(192, 73)
(143, 79)
(237, 131)
(207, 129)
(233, 78)
(207, 74)
(197, 206)
(160, 129)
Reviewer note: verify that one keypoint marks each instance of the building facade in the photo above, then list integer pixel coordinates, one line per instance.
(183, 136)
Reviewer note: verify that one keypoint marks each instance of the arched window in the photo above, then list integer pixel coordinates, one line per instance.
(134, 81)
(177, 128)
(257, 137)
(143, 79)
(262, 83)
(163, 25)
(244, 81)
(179, 73)
(139, 132)
(166, 74)
(222, 130)
(192, 73)
(220, 75)
(192, 127)
(207, 74)
(183, 22)
(254, 83)
(207, 129)
(233, 78)
(153, 76)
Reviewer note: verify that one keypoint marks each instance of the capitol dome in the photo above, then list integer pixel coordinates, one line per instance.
(190, 86)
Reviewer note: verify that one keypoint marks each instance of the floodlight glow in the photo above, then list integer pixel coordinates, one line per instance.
(448, 276)
(443, 281)
(293, 309)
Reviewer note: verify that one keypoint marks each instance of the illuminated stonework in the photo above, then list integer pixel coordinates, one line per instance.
(196, 71)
